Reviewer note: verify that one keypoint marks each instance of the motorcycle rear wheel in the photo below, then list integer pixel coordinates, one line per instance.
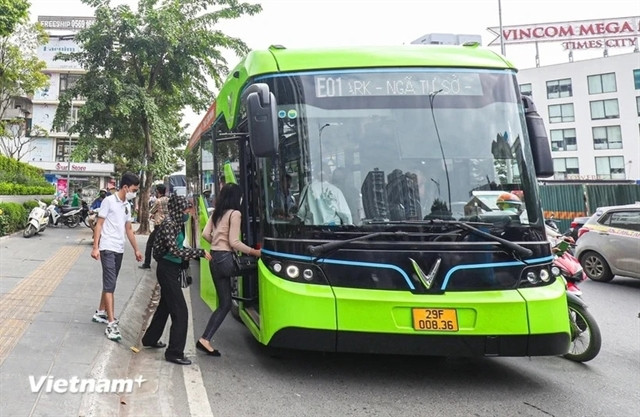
(585, 335)
(73, 221)
(29, 231)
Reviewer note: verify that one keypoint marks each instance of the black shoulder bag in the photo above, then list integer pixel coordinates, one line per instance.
(243, 263)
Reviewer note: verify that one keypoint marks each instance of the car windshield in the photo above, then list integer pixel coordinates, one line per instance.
(383, 146)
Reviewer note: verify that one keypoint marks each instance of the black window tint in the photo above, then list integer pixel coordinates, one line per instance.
(604, 219)
(629, 220)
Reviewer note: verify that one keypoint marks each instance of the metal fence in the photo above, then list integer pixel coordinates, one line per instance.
(567, 201)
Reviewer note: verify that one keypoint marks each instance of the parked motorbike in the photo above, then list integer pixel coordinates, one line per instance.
(37, 221)
(585, 333)
(69, 216)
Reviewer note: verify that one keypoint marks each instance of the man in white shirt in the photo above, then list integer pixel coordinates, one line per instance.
(113, 223)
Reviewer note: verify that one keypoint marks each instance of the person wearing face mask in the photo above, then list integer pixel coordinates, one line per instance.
(170, 253)
(98, 201)
(112, 225)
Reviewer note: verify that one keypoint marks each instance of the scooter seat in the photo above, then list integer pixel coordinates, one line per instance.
(66, 209)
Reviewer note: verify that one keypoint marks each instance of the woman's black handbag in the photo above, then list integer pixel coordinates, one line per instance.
(245, 263)
(185, 275)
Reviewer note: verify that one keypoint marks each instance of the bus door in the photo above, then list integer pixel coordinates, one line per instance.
(233, 162)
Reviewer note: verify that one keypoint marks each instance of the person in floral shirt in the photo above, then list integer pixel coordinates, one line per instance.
(169, 251)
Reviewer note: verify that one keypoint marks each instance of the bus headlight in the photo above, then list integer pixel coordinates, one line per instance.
(555, 271)
(544, 275)
(293, 271)
(277, 267)
(307, 274)
(536, 276)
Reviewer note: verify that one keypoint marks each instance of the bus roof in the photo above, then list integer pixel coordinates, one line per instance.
(278, 59)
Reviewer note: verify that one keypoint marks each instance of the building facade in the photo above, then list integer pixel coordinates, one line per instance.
(51, 150)
(591, 110)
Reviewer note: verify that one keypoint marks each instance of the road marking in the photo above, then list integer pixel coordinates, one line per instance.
(196, 393)
(24, 301)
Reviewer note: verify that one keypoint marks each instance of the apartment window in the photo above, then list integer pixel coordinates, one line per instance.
(63, 150)
(638, 105)
(605, 109)
(559, 88)
(563, 167)
(559, 113)
(564, 140)
(602, 83)
(607, 137)
(525, 90)
(67, 81)
(636, 78)
(610, 167)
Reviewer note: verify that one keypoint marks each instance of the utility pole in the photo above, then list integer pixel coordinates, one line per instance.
(69, 155)
(501, 34)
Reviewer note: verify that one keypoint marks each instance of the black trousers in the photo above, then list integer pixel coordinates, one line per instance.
(149, 247)
(172, 303)
(221, 266)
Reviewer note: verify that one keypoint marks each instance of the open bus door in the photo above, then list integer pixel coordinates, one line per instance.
(232, 153)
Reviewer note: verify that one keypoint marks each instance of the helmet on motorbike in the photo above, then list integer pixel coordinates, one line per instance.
(102, 193)
(508, 201)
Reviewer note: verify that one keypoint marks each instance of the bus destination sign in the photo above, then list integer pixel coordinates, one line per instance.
(397, 84)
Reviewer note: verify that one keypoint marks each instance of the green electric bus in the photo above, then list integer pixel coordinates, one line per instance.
(370, 180)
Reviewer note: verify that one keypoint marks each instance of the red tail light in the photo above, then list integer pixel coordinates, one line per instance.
(582, 231)
(573, 225)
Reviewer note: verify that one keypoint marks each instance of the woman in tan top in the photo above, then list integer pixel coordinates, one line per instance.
(223, 231)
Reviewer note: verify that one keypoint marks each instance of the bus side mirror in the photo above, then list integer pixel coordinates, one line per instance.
(538, 139)
(262, 119)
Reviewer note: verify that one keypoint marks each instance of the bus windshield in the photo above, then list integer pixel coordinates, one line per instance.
(398, 145)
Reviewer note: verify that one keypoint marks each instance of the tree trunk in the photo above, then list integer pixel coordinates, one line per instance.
(143, 213)
(143, 204)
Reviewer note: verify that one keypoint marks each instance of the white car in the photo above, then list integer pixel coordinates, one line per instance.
(609, 243)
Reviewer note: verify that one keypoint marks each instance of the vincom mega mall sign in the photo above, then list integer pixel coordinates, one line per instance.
(582, 34)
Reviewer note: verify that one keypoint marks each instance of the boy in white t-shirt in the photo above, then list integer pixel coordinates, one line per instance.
(113, 223)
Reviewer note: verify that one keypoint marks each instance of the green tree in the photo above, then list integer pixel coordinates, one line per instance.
(12, 13)
(143, 68)
(20, 69)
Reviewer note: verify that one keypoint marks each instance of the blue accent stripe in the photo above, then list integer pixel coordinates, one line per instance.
(404, 274)
(492, 265)
(341, 262)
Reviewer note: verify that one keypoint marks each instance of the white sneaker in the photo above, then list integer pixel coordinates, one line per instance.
(100, 317)
(112, 332)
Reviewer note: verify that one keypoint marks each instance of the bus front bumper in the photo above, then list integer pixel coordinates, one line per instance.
(409, 344)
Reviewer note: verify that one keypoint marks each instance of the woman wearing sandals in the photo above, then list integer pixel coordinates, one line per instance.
(223, 231)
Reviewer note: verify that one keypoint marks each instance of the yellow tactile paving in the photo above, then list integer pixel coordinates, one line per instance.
(20, 305)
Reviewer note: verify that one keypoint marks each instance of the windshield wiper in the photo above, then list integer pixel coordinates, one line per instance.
(319, 250)
(506, 243)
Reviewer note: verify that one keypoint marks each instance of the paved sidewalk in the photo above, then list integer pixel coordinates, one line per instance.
(49, 289)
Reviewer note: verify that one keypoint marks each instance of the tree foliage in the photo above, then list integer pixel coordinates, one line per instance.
(12, 14)
(144, 67)
(20, 69)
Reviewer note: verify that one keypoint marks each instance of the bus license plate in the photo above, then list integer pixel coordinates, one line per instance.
(435, 319)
